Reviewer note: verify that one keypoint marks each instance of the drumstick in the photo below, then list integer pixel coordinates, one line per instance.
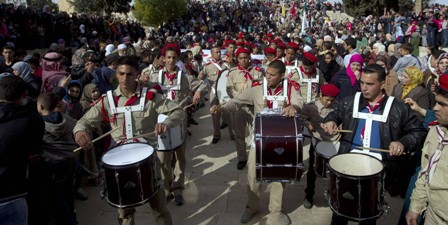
(343, 131)
(100, 137)
(139, 136)
(373, 149)
(188, 106)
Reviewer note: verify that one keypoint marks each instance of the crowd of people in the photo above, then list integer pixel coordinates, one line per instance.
(101, 75)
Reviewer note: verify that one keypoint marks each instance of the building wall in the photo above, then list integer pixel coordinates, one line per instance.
(65, 6)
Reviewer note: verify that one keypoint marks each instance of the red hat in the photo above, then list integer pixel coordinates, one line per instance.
(312, 58)
(329, 90)
(247, 43)
(293, 45)
(270, 35)
(269, 51)
(240, 44)
(254, 45)
(443, 81)
(172, 46)
(280, 44)
(241, 50)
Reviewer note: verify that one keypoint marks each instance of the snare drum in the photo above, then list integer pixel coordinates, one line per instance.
(324, 151)
(173, 138)
(130, 175)
(278, 148)
(356, 186)
(221, 87)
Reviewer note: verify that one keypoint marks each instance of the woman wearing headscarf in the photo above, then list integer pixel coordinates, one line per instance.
(53, 73)
(72, 98)
(383, 60)
(396, 54)
(348, 80)
(25, 71)
(412, 87)
(90, 94)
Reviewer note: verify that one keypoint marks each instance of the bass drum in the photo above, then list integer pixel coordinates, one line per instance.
(221, 87)
(278, 148)
(129, 175)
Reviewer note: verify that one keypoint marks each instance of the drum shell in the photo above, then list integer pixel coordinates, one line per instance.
(130, 185)
(173, 138)
(320, 164)
(357, 198)
(278, 146)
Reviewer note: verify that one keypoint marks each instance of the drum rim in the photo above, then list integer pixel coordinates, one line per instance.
(353, 176)
(380, 213)
(126, 165)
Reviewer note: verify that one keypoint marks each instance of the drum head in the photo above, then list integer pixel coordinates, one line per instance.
(127, 154)
(326, 149)
(353, 164)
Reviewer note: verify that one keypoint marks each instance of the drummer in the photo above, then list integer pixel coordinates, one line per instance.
(239, 79)
(212, 70)
(129, 93)
(229, 58)
(253, 98)
(170, 74)
(324, 105)
(400, 131)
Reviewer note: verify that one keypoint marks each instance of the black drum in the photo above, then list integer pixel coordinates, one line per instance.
(130, 175)
(324, 151)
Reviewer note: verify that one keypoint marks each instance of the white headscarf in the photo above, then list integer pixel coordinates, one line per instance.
(109, 49)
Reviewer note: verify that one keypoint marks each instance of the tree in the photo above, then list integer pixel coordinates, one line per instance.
(358, 8)
(102, 6)
(157, 12)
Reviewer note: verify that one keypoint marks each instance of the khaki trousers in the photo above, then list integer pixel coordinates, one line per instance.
(173, 178)
(242, 130)
(254, 189)
(216, 117)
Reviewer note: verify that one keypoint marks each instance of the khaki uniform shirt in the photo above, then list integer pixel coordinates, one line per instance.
(142, 121)
(436, 193)
(304, 85)
(237, 83)
(212, 72)
(188, 84)
(253, 97)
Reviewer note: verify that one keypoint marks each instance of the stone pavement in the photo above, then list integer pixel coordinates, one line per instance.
(215, 191)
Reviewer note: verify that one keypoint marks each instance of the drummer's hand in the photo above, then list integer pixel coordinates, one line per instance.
(83, 139)
(329, 127)
(161, 128)
(196, 97)
(411, 218)
(396, 148)
(214, 109)
(289, 111)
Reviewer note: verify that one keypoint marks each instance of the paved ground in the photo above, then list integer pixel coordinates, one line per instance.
(216, 191)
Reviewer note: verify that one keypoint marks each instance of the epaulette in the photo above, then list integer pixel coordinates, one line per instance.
(256, 83)
(258, 69)
(208, 63)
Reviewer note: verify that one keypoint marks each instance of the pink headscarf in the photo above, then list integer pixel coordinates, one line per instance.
(355, 58)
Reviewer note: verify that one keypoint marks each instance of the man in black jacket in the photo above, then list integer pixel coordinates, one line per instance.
(394, 127)
(21, 132)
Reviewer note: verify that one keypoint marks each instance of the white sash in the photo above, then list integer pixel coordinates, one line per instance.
(369, 117)
(276, 98)
(127, 110)
(309, 84)
(168, 88)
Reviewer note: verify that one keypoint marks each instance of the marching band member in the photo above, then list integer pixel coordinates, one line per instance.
(324, 105)
(177, 87)
(130, 93)
(280, 50)
(239, 79)
(292, 64)
(229, 58)
(398, 129)
(270, 55)
(212, 71)
(254, 98)
(309, 77)
(430, 189)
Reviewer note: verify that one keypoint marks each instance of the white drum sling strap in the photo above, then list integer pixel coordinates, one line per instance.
(127, 110)
(276, 98)
(168, 88)
(369, 117)
(309, 82)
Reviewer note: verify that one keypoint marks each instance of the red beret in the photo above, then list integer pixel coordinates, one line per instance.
(172, 46)
(329, 90)
(229, 42)
(247, 43)
(293, 45)
(270, 35)
(443, 81)
(254, 46)
(312, 58)
(269, 51)
(280, 44)
(242, 50)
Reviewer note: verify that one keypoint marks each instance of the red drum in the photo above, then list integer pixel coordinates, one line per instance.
(130, 175)
(278, 144)
(356, 186)
(324, 151)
